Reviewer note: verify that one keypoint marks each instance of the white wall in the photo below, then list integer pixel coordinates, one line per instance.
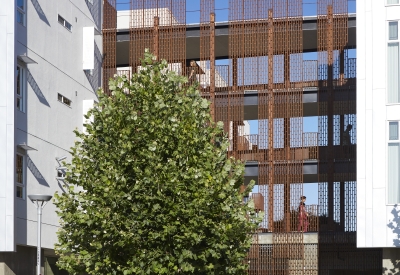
(373, 211)
(48, 124)
(7, 84)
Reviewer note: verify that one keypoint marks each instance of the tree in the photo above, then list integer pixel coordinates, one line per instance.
(154, 190)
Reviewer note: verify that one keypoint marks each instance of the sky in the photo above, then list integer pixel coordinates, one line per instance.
(222, 13)
(310, 124)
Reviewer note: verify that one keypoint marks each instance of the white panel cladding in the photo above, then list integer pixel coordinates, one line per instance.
(393, 13)
(88, 48)
(48, 124)
(7, 78)
(373, 114)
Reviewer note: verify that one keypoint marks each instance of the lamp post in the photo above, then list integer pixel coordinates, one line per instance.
(39, 201)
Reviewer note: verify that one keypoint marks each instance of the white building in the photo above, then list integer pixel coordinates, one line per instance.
(51, 55)
(378, 136)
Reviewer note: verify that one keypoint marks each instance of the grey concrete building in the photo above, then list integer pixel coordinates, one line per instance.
(50, 69)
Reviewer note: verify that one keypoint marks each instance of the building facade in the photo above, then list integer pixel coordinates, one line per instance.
(53, 54)
(268, 65)
(378, 113)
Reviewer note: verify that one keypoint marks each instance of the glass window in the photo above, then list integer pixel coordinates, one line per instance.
(394, 163)
(21, 12)
(19, 177)
(394, 173)
(20, 192)
(393, 73)
(64, 100)
(394, 130)
(393, 30)
(64, 22)
(21, 4)
(392, 2)
(393, 63)
(19, 169)
(20, 88)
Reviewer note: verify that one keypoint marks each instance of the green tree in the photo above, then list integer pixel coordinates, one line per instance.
(154, 190)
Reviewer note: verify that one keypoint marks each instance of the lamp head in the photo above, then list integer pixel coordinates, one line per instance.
(39, 198)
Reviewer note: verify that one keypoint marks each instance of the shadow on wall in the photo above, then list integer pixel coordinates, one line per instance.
(95, 10)
(394, 224)
(94, 76)
(35, 171)
(40, 11)
(36, 89)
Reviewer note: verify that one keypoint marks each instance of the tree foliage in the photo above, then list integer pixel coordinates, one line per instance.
(154, 190)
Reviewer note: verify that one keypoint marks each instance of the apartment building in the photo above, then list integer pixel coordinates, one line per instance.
(378, 113)
(266, 64)
(50, 69)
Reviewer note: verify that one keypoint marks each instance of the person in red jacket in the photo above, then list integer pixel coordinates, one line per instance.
(302, 215)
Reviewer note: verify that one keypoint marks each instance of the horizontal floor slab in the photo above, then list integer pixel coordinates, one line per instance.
(308, 238)
(310, 39)
(312, 171)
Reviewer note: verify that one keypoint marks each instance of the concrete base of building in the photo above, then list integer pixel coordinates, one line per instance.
(391, 261)
(23, 262)
(5, 270)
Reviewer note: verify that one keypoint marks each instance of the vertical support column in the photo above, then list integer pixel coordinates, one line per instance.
(289, 166)
(330, 116)
(212, 65)
(341, 77)
(39, 241)
(271, 170)
(343, 155)
(235, 138)
(109, 42)
(342, 204)
(286, 129)
(234, 73)
(156, 37)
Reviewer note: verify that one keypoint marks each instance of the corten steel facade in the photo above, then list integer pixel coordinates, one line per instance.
(266, 42)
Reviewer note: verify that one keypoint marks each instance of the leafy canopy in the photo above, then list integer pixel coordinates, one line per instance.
(154, 190)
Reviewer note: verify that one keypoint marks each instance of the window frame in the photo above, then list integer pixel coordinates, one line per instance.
(394, 41)
(64, 100)
(22, 12)
(63, 22)
(21, 86)
(22, 184)
(389, 141)
(388, 4)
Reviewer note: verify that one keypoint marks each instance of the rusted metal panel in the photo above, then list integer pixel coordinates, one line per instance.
(109, 42)
(266, 61)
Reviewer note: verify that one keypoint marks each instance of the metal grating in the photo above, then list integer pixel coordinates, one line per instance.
(109, 42)
(266, 61)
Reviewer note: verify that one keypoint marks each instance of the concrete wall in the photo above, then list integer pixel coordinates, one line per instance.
(7, 86)
(5, 270)
(47, 124)
(21, 262)
(374, 214)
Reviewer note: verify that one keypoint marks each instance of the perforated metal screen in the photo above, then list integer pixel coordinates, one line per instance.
(266, 77)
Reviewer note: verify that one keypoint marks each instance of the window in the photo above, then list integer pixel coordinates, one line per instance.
(392, 2)
(64, 100)
(21, 88)
(394, 163)
(393, 70)
(20, 177)
(64, 22)
(21, 12)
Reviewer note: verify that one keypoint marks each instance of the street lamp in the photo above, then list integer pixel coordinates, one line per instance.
(39, 201)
